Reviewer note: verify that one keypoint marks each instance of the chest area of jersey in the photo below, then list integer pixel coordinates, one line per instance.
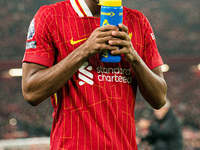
(71, 32)
(94, 71)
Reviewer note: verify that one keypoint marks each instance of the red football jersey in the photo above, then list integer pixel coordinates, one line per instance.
(95, 108)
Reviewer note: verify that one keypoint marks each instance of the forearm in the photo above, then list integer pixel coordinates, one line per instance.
(151, 82)
(45, 82)
(40, 82)
(152, 86)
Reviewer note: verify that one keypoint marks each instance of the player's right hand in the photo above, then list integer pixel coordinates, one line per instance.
(98, 41)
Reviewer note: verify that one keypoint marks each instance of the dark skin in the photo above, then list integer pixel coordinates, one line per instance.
(40, 82)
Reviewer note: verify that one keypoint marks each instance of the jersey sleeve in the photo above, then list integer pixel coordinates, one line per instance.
(151, 54)
(39, 45)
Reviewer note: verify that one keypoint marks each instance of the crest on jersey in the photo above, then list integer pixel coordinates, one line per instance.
(31, 30)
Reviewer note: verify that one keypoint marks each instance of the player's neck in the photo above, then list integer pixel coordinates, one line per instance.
(94, 7)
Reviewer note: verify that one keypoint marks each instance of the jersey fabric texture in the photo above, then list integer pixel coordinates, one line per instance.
(95, 108)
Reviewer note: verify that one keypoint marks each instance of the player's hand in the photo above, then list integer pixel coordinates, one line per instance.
(98, 40)
(123, 39)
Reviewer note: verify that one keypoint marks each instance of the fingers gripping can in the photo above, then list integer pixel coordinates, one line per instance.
(111, 14)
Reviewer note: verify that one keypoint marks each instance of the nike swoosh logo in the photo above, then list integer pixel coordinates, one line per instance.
(75, 42)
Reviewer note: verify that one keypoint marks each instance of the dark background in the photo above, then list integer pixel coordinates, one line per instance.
(177, 29)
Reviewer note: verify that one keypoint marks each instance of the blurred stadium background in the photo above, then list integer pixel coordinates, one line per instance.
(176, 24)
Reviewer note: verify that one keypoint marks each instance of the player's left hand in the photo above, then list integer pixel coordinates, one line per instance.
(122, 39)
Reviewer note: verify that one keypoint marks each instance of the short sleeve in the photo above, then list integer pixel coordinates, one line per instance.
(39, 45)
(151, 54)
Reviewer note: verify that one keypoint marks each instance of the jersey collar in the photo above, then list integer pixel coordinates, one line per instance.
(81, 8)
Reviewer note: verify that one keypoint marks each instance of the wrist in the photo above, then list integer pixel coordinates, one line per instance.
(134, 59)
(82, 52)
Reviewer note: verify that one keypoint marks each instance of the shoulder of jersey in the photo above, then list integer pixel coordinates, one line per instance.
(137, 14)
(58, 8)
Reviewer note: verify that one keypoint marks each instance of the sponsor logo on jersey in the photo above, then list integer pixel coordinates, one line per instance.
(31, 30)
(85, 75)
(104, 74)
(117, 74)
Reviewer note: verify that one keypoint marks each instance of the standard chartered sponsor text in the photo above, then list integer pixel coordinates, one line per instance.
(114, 74)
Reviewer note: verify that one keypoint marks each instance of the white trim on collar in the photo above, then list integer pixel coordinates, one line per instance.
(83, 6)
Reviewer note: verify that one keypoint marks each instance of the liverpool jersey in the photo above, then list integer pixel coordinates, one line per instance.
(95, 108)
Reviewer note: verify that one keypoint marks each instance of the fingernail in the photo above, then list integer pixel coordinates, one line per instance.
(114, 33)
